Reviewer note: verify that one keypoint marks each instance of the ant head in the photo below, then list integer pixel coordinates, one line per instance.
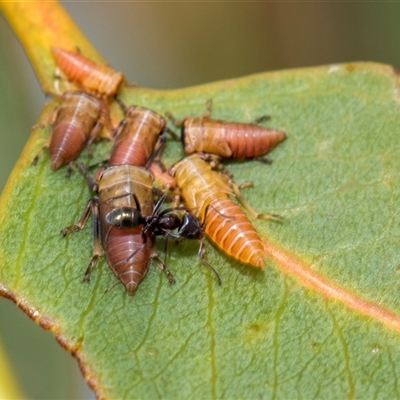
(190, 227)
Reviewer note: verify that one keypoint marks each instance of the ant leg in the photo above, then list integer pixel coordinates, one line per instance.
(137, 250)
(159, 203)
(218, 212)
(207, 264)
(158, 192)
(165, 250)
(163, 268)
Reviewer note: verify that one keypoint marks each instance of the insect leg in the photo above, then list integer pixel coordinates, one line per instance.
(100, 164)
(121, 104)
(137, 250)
(159, 192)
(261, 119)
(249, 208)
(93, 135)
(69, 170)
(117, 131)
(47, 123)
(215, 164)
(82, 220)
(106, 117)
(58, 77)
(172, 133)
(245, 185)
(143, 232)
(96, 239)
(265, 160)
(206, 263)
(91, 206)
(177, 122)
(40, 153)
(159, 203)
(89, 179)
(163, 267)
(155, 155)
(207, 113)
(217, 211)
(112, 286)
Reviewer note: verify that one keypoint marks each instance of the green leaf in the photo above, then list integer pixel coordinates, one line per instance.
(262, 333)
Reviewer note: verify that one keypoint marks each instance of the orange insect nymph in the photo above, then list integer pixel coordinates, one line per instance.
(75, 123)
(137, 137)
(206, 194)
(85, 72)
(226, 139)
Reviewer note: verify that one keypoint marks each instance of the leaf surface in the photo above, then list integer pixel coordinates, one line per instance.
(322, 320)
(262, 333)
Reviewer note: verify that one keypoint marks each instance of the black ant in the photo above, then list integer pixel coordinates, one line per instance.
(162, 223)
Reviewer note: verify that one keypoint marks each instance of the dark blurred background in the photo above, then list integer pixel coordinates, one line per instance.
(166, 45)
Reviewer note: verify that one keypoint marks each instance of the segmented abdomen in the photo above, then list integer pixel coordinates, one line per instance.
(119, 245)
(67, 141)
(249, 140)
(206, 194)
(84, 71)
(128, 152)
(136, 137)
(229, 228)
(75, 121)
